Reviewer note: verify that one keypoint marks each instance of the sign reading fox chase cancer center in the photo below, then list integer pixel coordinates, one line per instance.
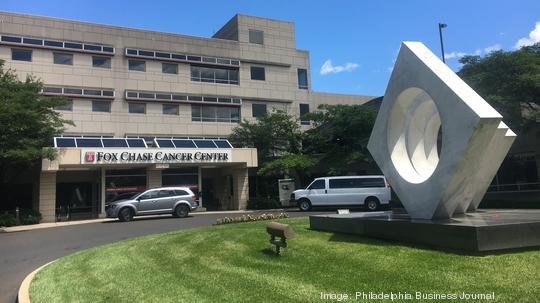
(161, 155)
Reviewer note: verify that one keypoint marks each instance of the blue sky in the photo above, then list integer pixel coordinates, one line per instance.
(360, 38)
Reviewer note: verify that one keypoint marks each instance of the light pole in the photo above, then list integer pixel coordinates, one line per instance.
(441, 26)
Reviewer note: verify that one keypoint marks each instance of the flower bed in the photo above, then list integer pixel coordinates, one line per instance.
(251, 218)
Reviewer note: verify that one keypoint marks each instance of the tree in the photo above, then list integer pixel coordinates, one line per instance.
(278, 140)
(274, 135)
(340, 136)
(509, 81)
(28, 123)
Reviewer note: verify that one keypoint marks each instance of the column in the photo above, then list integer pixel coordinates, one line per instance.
(47, 196)
(153, 178)
(103, 193)
(199, 182)
(241, 187)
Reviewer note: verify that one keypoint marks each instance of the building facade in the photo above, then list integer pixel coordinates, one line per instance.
(131, 88)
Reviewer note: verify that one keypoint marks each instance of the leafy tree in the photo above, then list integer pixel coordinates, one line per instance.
(278, 140)
(510, 81)
(28, 123)
(274, 135)
(340, 136)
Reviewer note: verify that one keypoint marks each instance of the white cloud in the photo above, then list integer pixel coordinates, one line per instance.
(328, 68)
(534, 37)
(492, 48)
(452, 55)
(478, 52)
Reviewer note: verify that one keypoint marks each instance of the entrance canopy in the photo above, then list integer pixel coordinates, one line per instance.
(112, 152)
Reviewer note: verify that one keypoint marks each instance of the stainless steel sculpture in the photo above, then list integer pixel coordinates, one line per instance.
(423, 96)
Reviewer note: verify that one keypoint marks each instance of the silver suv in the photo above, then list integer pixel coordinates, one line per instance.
(178, 201)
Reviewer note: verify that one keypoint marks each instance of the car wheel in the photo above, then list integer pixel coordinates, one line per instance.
(125, 215)
(304, 204)
(181, 211)
(372, 203)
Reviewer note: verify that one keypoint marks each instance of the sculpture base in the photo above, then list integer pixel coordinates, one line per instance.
(481, 231)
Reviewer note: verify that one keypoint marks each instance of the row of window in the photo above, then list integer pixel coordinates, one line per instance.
(59, 58)
(260, 110)
(202, 113)
(221, 75)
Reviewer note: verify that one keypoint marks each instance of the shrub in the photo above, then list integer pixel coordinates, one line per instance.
(7, 220)
(29, 216)
(263, 203)
(251, 218)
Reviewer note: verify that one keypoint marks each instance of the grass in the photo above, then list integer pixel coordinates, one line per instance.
(233, 263)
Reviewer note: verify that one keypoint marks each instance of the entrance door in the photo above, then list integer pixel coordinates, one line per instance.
(207, 194)
(76, 200)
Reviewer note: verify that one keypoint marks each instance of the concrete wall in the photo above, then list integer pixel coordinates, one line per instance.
(278, 56)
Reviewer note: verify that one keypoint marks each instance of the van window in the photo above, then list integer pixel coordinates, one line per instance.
(319, 184)
(373, 182)
(344, 183)
(357, 183)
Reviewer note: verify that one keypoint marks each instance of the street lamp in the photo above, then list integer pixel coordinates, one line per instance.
(441, 26)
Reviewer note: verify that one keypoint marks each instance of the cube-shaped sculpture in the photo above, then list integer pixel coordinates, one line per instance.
(427, 107)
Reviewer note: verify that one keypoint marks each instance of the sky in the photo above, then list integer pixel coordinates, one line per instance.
(352, 44)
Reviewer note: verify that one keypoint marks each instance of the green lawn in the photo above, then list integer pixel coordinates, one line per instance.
(231, 263)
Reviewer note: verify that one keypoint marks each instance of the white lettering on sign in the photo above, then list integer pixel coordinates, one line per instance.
(146, 155)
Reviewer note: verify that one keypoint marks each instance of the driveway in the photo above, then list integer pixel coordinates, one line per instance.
(22, 252)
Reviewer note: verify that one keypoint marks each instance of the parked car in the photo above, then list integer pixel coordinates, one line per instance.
(178, 201)
(369, 191)
(124, 196)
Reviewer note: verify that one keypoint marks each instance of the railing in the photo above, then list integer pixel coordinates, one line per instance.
(514, 187)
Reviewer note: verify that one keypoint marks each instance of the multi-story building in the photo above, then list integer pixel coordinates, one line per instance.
(152, 108)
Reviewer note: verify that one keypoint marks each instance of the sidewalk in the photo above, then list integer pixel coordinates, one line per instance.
(68, 223)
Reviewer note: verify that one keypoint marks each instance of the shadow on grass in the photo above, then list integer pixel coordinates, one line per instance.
(269, 252)
(349, 238)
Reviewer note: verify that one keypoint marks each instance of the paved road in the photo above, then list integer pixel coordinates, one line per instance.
(22, 252)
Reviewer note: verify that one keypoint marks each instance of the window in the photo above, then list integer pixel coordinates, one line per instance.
(166, 193)
(101, 62)
(21, 54)
(318, 184)
(257, 73)
(214, 74)
(205, 113)
(101, 106)
(149, 195)
(304, 109)
(256, 36)
(371, 182)
(63, 58)
(181, 192)
(137, 65)
(65, 107)
(170, 109)
(137, 108)
(302, 78)
(169, 68)
(258, 110)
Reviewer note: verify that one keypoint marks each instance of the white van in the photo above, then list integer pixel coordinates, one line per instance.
(369, 191)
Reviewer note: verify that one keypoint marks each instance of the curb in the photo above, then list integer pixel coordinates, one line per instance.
(19, 228)
(24, 290)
